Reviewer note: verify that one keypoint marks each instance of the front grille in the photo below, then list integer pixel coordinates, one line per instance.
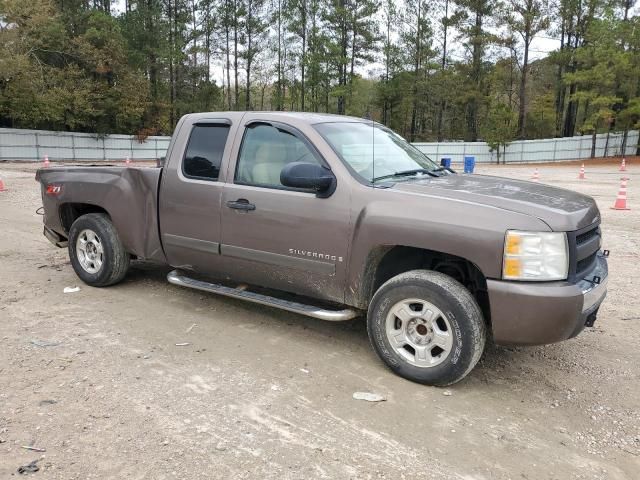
(586, 236)
(583, 250)
(585, 264)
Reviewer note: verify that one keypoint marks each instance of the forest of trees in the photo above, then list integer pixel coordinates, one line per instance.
(431, 70)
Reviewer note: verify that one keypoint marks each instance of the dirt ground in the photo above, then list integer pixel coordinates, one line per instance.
(96, 378)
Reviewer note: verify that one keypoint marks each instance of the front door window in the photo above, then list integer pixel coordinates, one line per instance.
(265, 151)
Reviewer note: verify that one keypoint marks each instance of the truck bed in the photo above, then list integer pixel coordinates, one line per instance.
(129, 195)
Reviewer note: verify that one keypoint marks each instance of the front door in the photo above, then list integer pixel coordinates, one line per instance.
(277, 236)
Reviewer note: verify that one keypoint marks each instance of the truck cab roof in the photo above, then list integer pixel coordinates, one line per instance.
(307, 118)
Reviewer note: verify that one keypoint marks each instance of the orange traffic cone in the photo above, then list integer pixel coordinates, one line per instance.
(535, 176)
(2, 187)
(621, 200)
(46, 161)
(581, 176)
(623, 165)
(127, 161)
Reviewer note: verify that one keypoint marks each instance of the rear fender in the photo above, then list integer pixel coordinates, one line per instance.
(127, 195)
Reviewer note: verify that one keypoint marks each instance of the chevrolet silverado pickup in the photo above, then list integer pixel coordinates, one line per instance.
(340, 218)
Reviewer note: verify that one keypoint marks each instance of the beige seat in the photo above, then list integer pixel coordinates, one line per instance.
(269, 161)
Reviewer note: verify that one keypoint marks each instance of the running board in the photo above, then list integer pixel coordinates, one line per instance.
(176, 278)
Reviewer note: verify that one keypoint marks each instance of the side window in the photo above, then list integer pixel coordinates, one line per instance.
(204, 151)
(265, 151)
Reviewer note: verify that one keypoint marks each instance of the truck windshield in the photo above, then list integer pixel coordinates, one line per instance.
(374, 152)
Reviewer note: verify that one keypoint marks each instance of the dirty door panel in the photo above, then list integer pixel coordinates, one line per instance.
(190, 198)
(277, 236)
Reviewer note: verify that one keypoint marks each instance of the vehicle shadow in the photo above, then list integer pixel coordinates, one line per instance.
(155, 275)
(508, 367)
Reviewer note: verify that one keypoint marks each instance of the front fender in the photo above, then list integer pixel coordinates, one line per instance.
(470, 231)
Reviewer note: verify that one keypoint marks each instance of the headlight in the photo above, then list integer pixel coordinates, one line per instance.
(535, 256)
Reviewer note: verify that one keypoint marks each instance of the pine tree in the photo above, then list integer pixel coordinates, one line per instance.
(524, 20)
(474, 17)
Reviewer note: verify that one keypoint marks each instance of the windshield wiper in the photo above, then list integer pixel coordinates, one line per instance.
(444, 169)
(407, 173)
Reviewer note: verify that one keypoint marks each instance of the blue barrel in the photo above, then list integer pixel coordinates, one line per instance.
(469, 164)
(445, 162)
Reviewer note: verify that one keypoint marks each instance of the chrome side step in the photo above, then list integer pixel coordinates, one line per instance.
(176, 278)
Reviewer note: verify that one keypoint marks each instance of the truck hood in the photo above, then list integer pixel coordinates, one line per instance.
(561, 209)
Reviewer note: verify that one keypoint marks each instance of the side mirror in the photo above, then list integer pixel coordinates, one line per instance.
(309, 176)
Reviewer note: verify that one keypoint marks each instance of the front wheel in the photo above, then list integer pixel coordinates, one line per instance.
(426, 327)
(96, 252)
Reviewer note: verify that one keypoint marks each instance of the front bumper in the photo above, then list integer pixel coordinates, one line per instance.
(528, 313)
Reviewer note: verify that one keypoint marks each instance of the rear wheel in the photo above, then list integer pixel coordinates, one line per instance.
(96, 252)
(426, 327)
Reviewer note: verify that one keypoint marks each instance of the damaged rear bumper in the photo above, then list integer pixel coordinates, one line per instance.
(55, 238)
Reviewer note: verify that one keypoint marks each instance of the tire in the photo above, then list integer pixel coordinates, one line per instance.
(426, 327)
(104, 261)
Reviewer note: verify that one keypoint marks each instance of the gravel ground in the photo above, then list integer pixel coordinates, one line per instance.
(96, 379)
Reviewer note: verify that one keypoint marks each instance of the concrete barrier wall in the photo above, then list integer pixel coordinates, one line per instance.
(33, 145)
(544, 150)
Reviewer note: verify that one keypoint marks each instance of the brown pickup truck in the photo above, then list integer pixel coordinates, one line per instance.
(336, 218)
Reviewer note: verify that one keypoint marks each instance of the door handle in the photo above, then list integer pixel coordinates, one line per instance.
(241, 204)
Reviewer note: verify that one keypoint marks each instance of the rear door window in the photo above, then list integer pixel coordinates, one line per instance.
(204, 151)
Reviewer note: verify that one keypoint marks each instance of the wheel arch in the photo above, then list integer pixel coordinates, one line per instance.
(385, 262)
(69, 212)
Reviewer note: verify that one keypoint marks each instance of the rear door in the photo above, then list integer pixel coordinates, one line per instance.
(191, 192)
(277, 236)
